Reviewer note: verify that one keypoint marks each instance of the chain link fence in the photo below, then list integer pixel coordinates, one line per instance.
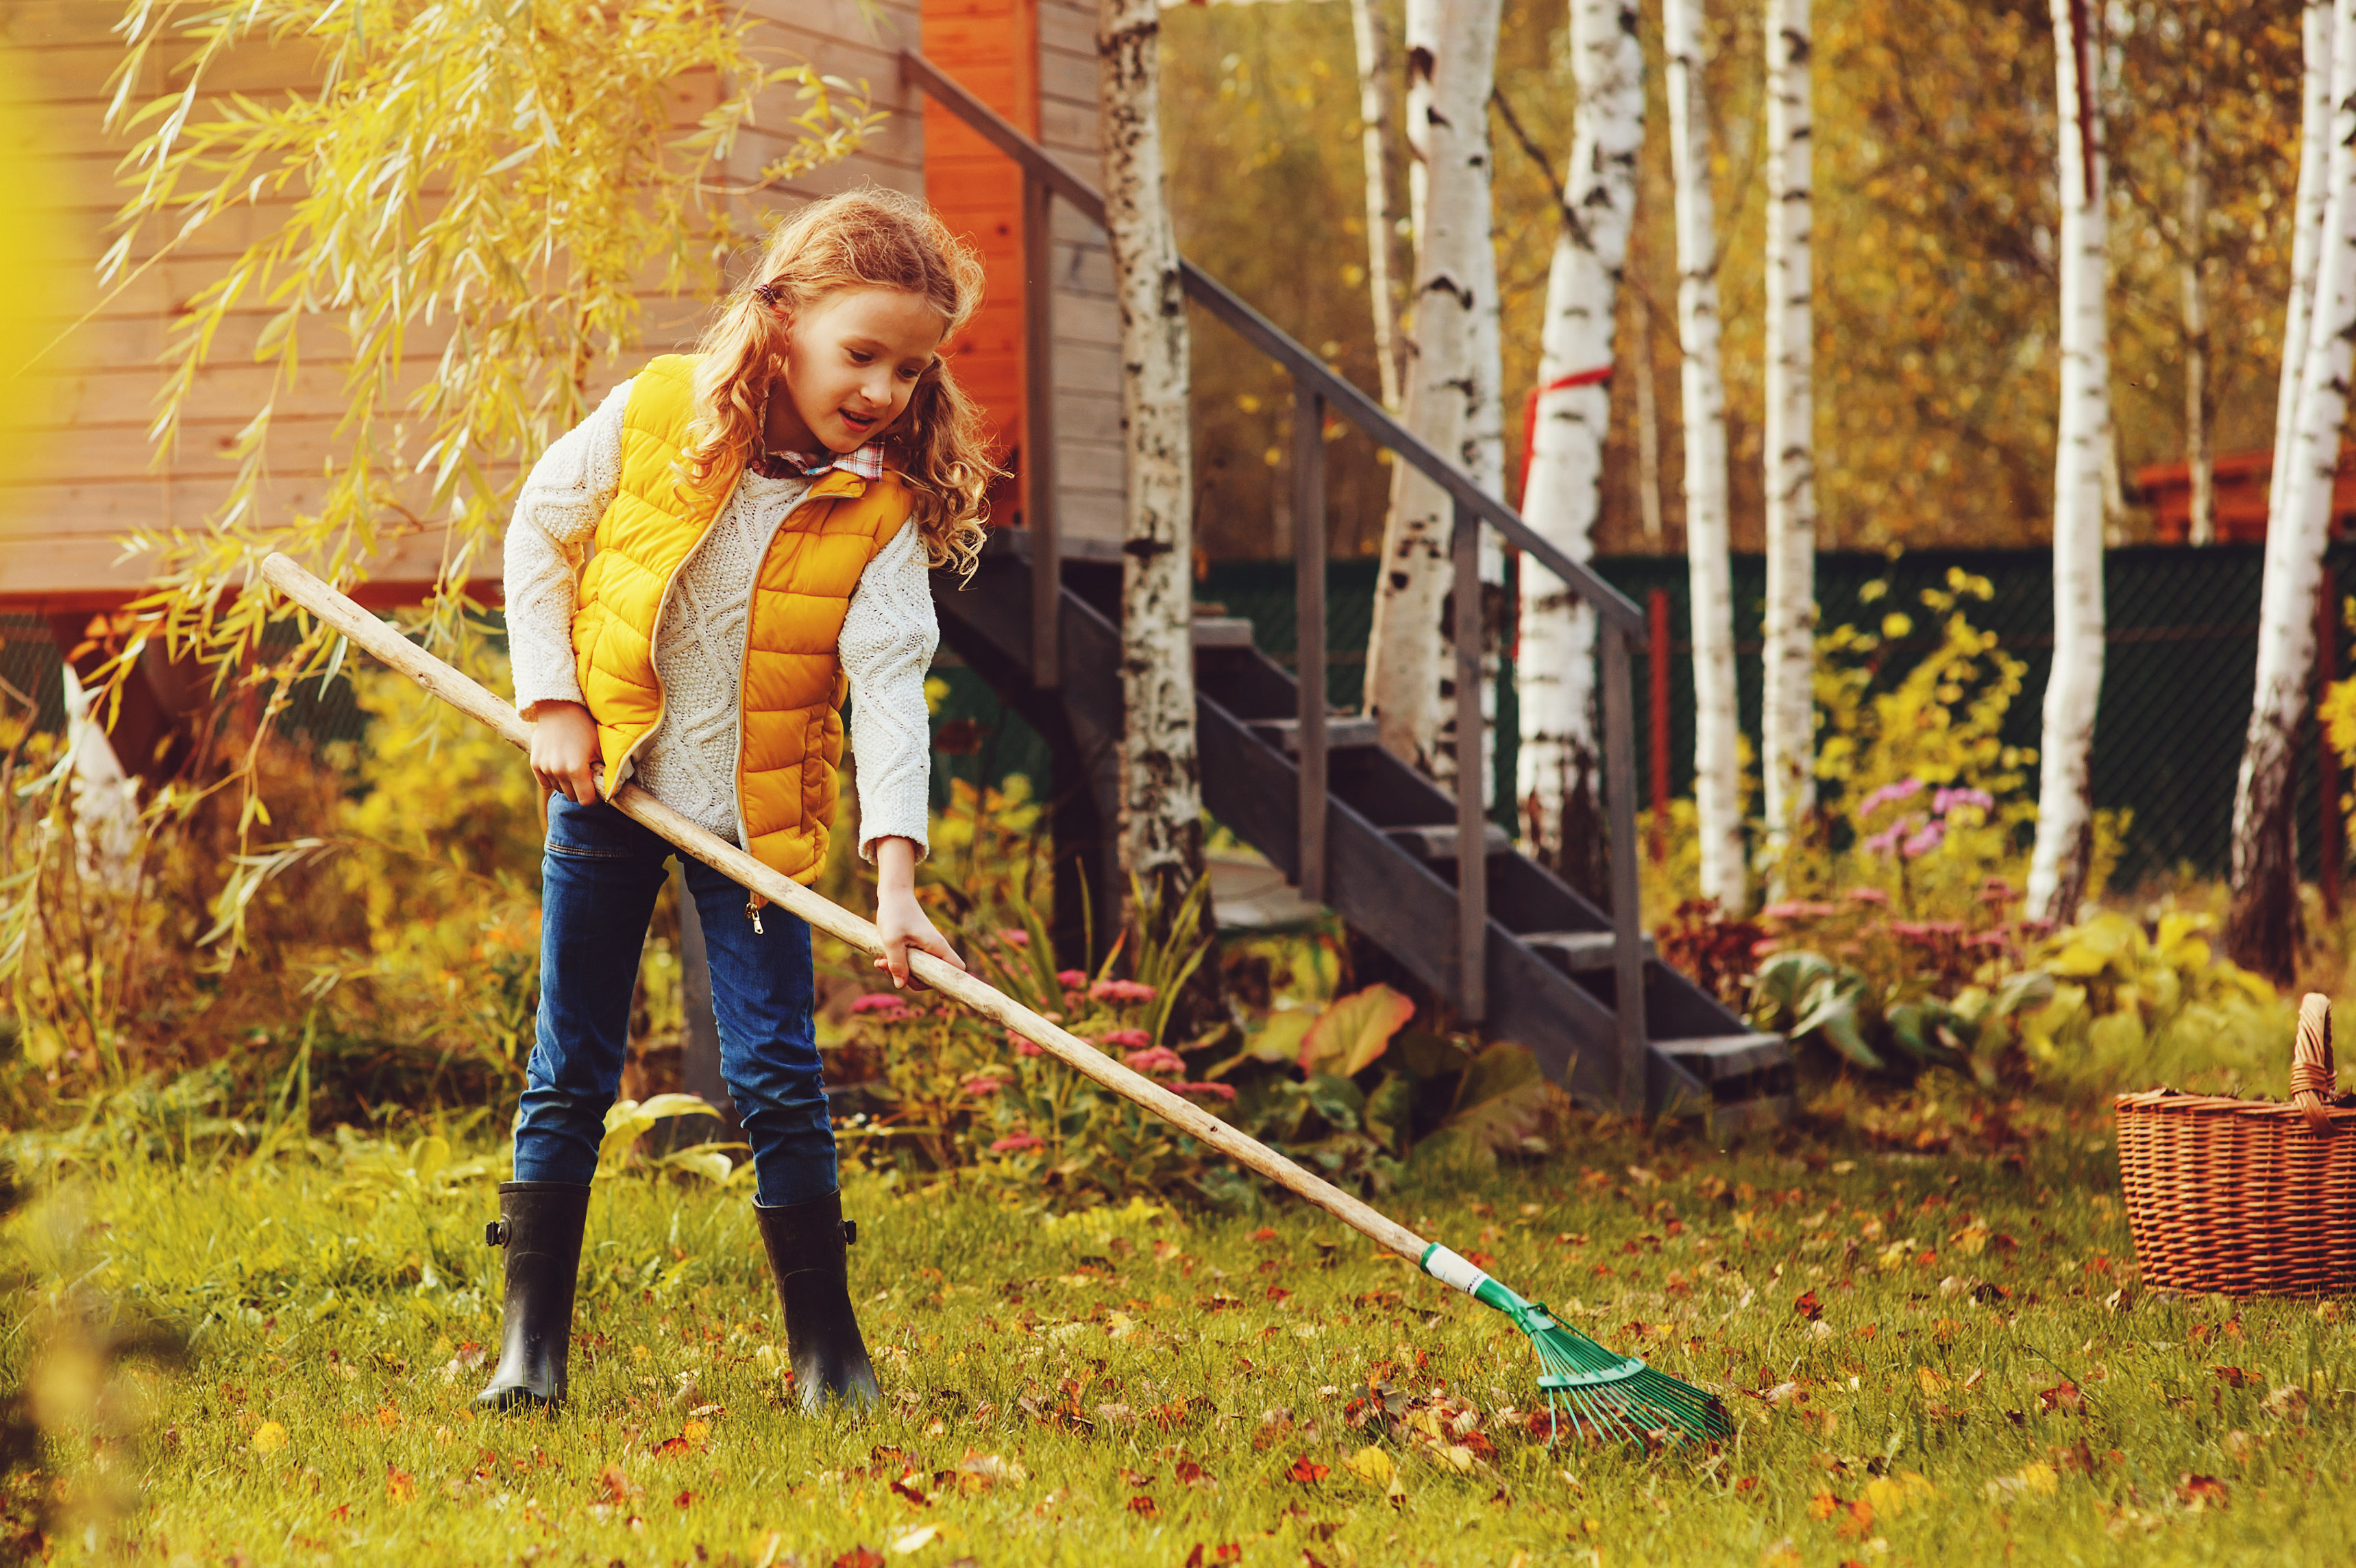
(2177, 675)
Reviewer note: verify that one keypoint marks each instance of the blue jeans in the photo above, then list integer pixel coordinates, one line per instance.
(598, 882)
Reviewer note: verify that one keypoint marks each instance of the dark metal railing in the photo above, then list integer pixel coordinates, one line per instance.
(1317, 389)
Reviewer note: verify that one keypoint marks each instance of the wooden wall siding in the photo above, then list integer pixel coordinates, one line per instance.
(1088, 452)
(990, 47)
(61, 527)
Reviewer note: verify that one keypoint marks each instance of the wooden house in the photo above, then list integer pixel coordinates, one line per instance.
(94, 480)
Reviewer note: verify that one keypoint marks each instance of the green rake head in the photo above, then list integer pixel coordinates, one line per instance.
(1588, 1387)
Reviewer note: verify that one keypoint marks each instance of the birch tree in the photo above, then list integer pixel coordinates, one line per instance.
(2059, 863)
(2262, 931)
(1717, 786)
(1378, 111)
(1161, 788)
(1787, 722)
(1407, 666)
(2199, 453)
(2316, 110)
(1562, 493)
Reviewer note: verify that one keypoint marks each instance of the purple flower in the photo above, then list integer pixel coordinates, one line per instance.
(1905, 788)
(1070, 980)
(1121, 991)
(1019, 1143)
(881, 1001)
(1215, 1090)
(1932, 835)
(983, 1083)
(1127, 1040)
(1946, 800)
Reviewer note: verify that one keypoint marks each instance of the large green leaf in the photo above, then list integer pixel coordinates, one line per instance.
(1353, 1031)
(1390, 1111)
(1498, 1103)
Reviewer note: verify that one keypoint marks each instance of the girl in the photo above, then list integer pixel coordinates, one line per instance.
(758, 518)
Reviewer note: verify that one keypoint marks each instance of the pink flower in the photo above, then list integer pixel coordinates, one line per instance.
(1152, 1060)
(881, 1001)
(1215, 1090)
(1868, 896)
(1990, 940)
(1932, 835)
(1012, 937)
(983, 1083)
(1767, 949)
(1127, 1039)
(1797, 910)
(1121, 991)
(1886, 840)
(1070, 980)
(1020, 1143)
(1027, 1047)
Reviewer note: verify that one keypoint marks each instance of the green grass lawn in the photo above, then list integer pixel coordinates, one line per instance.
(1931, 1358)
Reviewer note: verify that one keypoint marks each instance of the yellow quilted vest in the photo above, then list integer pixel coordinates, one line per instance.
(790, 694)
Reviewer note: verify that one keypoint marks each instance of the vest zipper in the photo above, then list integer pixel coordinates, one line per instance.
(744, 667)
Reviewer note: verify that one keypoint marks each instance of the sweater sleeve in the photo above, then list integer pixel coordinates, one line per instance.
(887, 642)
(547, 541)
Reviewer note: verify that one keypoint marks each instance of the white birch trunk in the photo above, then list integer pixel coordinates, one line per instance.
(2199, 453)
(1422, 31)
(1160, 791)
(1378, 98)
(2264, 927)
(1407, 663)
(1562, 493)
(1718, 785)
(1788, 629)
(1481, 388)
(2316, 109)
(2058, 866)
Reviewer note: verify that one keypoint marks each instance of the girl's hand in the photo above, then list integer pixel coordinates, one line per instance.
(565, 750)
(899, 920)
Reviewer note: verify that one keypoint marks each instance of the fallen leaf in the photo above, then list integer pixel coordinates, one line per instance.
(400, 1486)
(1823, 1506)
(860, 1557)
(2201, 1491)
(614, 1483)
(909, 1541)
(2231, 1377)
(1307, 1471)
(1144, 1507)
(1809, 1307)
(2061, 1396)
(1372, 1465)
(268, 1438)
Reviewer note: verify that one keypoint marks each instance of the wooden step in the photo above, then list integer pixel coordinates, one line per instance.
(1715, 1057)
(1581, 952)
(1222, 631)
(1342, 733)
(1439, 842)
(1734, 1118)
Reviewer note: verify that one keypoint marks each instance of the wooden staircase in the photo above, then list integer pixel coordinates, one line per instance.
(1391, 837)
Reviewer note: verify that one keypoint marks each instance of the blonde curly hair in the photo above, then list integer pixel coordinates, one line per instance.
(869, 237)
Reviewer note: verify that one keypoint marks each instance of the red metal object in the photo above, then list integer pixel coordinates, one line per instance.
(2241, 481)
(1531, 416)
(1656, 618)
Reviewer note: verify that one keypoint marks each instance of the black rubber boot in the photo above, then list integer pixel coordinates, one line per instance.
(540, 1225)
(807, 1243)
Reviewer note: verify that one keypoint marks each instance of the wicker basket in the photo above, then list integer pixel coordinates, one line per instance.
(2243, 1197)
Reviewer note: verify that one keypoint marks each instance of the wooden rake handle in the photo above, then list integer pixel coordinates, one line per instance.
(469, 697)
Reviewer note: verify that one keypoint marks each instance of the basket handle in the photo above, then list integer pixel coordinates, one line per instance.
(2313, 1078)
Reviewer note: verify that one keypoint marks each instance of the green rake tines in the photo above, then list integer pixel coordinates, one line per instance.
(1586, 1385)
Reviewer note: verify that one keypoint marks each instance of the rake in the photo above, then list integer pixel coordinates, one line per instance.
(1588, 1387)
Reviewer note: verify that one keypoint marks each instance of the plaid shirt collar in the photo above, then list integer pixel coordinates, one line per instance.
(867, 463)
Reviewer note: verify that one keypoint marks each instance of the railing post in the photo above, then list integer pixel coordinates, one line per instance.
(1471, 822)
(1309, 601)
(1627, 914)
(1039, 430)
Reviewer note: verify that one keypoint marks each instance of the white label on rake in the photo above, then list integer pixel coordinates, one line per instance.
(1450, 1269)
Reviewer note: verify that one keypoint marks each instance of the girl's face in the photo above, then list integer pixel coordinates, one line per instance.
(851, 361)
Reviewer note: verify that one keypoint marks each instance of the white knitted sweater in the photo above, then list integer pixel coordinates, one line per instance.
(688, 763)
